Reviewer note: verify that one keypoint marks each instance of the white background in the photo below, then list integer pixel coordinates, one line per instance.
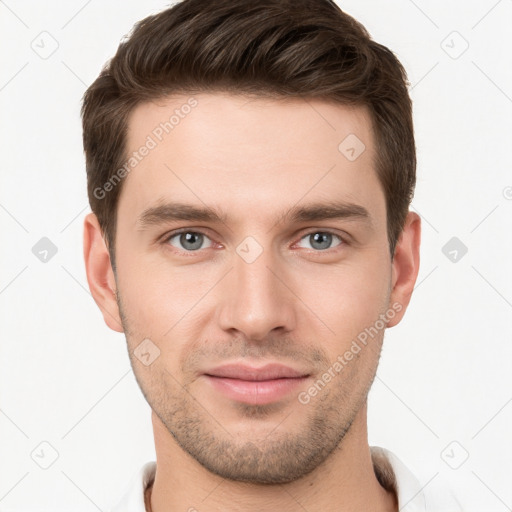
(445, 372)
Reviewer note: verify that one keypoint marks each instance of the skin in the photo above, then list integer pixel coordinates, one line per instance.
(299, 303)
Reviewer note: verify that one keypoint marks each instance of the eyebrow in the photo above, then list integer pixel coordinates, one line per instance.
(162, 213)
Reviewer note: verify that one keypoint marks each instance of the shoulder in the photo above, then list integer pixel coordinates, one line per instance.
(133, 497)
(415, 493)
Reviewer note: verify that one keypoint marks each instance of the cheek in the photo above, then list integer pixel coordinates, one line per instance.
(166, 301)
(158, 294)
(163, 303)
(348, 289)
(347, 299)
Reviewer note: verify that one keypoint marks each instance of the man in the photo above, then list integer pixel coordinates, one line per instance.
(250, 169)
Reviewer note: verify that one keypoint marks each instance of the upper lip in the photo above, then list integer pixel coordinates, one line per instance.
(243, 372)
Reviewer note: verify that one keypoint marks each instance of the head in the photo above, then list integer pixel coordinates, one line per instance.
(252, 129)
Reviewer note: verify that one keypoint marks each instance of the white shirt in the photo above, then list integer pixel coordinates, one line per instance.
(391, 471)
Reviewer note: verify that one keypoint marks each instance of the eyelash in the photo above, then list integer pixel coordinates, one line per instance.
(172, 234)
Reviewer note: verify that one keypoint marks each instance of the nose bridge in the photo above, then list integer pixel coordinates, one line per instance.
(256, 299)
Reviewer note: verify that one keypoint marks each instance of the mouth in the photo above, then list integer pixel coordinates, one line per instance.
(251, 385)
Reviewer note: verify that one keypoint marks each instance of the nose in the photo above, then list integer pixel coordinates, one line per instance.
(257, 297)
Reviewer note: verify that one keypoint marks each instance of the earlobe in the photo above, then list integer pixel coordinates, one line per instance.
(100, 275)
(405, 265)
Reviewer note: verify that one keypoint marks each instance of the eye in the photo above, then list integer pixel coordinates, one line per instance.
(188, 241)
(321, 240)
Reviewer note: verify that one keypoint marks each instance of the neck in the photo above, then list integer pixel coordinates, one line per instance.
(345, 482)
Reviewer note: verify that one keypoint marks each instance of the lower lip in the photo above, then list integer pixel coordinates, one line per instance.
(255, 392)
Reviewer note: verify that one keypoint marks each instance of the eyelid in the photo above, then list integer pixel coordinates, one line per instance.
(172, 234)
(345, 239)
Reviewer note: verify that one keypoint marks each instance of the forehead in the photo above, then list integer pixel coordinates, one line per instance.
(248, 120)
(223, 149)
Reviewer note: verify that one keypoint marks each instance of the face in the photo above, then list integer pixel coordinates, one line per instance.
(248, 235)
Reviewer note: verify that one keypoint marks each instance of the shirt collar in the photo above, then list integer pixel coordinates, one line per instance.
(389, 469)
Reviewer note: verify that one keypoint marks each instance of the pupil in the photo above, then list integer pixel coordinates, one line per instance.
(188, 238)
(318, 237)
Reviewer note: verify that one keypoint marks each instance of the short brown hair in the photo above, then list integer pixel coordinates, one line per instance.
(276, 48)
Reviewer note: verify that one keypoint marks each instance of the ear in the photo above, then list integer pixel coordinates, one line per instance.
(405, 265)
(100, 275)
